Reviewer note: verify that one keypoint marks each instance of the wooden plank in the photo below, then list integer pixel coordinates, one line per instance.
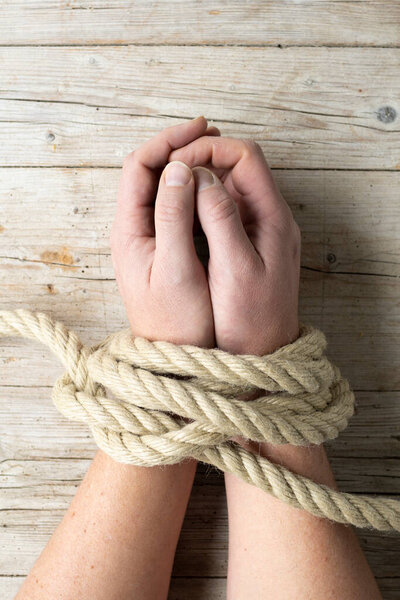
(9, 586)
(352, 216)
(43, 489)
(62, 264)
(325, 108)
(389, 587)
(321, 22)
(197, 588)
(310, 108)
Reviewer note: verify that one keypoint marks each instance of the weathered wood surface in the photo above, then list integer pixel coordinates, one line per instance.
(325, 108)
(271, 22)
(61, 264)
(84, 82)
(350, 283)
(45, 488)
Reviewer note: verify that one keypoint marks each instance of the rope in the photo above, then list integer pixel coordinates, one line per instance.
(166, 403)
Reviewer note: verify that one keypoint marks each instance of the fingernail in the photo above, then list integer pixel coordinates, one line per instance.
(204, 178)
(177, 173)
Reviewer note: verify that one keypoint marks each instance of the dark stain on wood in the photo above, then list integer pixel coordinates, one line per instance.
(58, 258)
(51, 289)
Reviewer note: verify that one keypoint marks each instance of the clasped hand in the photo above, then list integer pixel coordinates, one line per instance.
(119, 536)
(246, 300)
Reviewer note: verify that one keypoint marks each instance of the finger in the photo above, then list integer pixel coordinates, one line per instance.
(173, 216)
(154, 153)
(138, 185)
(250, 174)
(220, 219)
(212, 130)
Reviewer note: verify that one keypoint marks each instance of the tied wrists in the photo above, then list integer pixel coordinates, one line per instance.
(144, 419)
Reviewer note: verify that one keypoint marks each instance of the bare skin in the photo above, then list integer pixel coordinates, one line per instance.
(118, 538)
(275, 551)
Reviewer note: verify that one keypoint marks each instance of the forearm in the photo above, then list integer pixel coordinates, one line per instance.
(302, 557)
(118, 537)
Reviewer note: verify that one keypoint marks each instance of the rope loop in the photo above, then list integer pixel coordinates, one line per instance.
(153, 403)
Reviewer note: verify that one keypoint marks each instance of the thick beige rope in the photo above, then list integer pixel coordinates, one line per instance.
(168, 402)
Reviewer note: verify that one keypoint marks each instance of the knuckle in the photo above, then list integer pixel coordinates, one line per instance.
(296, 231)
(129, 160)
(170, 210)
(292, 234)
(296, 238)
(223, 208)
(292, 228)
(252, 147)
(168, 129)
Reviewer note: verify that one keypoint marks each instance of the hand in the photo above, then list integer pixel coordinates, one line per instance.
(254, 244)
(161, 280)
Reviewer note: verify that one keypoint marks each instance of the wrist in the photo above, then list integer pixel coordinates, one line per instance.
(278, 335)
(309, 461)
(125, 477)
(198, 336)
(274, 336)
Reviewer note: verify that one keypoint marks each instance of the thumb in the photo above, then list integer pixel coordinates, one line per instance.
(220, 219)
(173, 214)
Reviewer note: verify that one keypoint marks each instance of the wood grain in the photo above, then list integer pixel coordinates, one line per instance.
(272, 22)
(45, 488)
(83, 82)
(352, 216)
(325, 108)
(62, 265)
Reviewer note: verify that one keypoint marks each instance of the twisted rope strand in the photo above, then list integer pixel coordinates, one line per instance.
(173, 402)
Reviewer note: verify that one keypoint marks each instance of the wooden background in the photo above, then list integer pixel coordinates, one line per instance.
(316, 83)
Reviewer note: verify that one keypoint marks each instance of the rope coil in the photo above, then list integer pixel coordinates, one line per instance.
(170, 402)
